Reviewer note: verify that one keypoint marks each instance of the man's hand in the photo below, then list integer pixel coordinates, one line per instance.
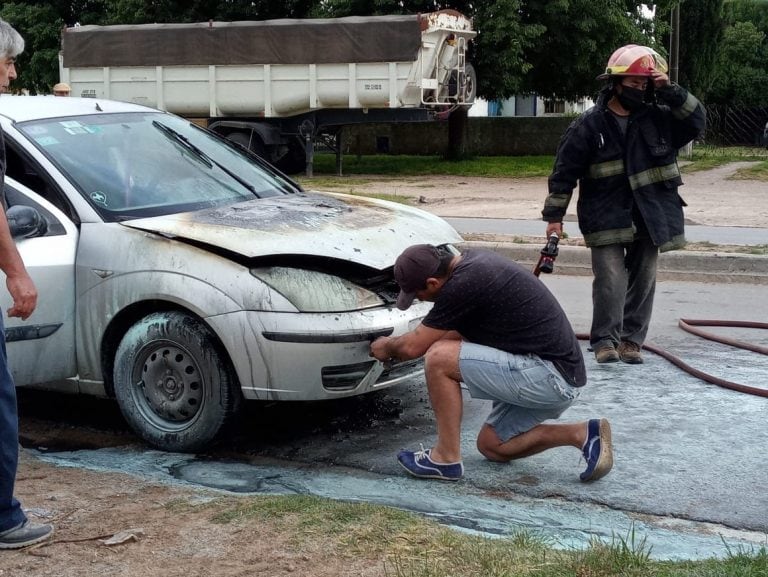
(555, 227)
(660, 80)
(24, 295)
(380, 349)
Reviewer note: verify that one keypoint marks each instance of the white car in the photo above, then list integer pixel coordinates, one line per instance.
(181, 275)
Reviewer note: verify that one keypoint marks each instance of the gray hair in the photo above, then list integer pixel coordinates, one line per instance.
(11, 42)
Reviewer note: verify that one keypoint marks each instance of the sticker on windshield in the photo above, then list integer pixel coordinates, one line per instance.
(74, 127)
(47, 140)
(99, 197)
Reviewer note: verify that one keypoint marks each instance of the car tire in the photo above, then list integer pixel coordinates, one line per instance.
(173, 383)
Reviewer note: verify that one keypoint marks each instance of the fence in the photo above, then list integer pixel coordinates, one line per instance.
(730, 130)
(743, 130)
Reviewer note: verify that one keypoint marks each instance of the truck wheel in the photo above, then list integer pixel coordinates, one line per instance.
(173, 384)
(295, 160)
(250, 142)
(468, 86)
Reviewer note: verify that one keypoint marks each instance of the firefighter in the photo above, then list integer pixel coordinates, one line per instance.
(622, 153)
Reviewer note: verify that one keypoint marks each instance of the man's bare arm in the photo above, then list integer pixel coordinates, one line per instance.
(18, 281)
(410, 345)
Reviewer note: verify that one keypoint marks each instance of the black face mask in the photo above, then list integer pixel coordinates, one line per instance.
(632, 99)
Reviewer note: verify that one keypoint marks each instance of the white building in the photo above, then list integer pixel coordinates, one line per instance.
(530, 105)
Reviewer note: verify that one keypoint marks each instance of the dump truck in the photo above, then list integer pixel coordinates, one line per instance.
(277, 87)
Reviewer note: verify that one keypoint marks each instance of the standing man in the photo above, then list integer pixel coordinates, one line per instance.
(495, 327)
(15, 530)
(623, 154)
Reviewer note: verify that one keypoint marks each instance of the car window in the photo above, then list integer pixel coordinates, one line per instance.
(144, 164)
(23, 169)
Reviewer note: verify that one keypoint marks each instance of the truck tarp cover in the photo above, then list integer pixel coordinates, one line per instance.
(310, 41)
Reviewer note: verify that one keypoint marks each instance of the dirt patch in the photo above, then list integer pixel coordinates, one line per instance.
(169, 531)
(714, 198)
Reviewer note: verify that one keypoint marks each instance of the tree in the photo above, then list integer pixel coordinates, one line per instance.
(578, 38)
(700, 34)
(741, 78)
(143, 12)
(39, 24)
(740, 71)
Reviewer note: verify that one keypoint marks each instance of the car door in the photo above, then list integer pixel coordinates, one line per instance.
(41, 349)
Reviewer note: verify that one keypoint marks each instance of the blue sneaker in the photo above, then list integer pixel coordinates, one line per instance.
(597, 450)
(419, 464)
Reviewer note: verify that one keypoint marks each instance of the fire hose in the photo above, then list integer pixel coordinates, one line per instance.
(546, 265)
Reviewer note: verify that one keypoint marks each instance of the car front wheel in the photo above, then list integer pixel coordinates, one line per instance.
(173, 383)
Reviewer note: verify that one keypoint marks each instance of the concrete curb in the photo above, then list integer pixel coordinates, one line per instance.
(696, 266)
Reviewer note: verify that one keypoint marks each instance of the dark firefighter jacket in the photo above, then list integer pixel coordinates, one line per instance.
(617, 173)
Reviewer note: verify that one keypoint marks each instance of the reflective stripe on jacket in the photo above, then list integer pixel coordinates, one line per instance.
(617, 172)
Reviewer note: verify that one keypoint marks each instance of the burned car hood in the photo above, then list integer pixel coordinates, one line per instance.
(362, 230)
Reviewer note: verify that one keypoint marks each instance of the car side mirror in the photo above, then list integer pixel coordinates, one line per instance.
(26, 222)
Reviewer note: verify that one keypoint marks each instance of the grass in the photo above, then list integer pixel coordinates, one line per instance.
(702, 158)
(708, 157)
(405, 165)
(403, 544)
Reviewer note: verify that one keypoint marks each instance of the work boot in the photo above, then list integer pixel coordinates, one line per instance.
(606, 354)
(629, 352)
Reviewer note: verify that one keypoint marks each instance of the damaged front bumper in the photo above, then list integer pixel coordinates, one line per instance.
(314, 356)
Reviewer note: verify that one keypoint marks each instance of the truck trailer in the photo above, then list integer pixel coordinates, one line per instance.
(278, 86)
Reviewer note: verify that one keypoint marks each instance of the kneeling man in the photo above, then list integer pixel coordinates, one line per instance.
(495, 327)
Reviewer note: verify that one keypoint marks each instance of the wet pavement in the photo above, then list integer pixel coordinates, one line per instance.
(690, 466)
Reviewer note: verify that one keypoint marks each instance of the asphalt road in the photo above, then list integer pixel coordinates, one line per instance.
(689, 471)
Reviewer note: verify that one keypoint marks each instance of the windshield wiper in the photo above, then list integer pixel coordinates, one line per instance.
(209, 162)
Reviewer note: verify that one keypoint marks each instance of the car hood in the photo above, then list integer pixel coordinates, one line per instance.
(362, 230)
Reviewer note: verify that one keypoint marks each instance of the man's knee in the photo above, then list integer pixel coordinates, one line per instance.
(443, 355)
(488, 444)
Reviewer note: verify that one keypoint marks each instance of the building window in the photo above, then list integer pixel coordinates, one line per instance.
(554, 107)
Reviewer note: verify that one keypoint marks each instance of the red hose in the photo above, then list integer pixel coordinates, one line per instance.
(687, 325)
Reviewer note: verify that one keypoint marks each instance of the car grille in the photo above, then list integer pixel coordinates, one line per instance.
(402, 369)
(345, 377)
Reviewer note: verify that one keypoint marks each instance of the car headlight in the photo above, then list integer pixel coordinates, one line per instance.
(312, 291)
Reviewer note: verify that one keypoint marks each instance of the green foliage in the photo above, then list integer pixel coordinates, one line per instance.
(141, 11)
(700, 34)
(578, 37)
(39, 24)
(500, 51)
(741, 78)
(740, 73)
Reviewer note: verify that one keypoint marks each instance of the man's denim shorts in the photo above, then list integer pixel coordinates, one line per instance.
(525, 389)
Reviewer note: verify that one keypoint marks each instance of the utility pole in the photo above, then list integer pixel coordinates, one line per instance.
(674, 57)
(674, 43)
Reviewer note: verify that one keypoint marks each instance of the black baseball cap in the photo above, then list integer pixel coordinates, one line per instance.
(412, 269)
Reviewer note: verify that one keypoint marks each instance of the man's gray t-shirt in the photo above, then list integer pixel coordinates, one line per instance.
(493, 301)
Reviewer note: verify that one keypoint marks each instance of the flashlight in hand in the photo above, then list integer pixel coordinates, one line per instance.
(546, 262)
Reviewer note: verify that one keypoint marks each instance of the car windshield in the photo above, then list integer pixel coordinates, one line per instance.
(134, 165)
